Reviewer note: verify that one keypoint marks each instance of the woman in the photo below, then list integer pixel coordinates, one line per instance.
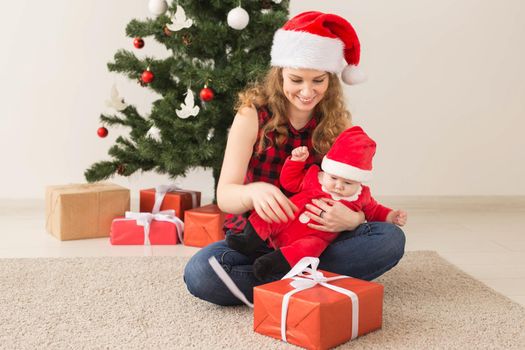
(300, 103)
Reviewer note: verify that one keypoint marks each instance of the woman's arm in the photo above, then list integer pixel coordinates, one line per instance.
(231, 193)
(235, 197)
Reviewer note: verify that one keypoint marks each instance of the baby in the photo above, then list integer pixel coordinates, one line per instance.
(345, 166)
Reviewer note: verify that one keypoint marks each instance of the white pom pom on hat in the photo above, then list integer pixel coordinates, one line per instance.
(353, 75)
(320, 41)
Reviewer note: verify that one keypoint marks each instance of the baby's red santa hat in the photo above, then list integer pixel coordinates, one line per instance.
(320, 41)
(351, 155)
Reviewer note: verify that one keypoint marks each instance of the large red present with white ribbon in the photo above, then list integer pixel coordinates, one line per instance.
(165, 197)
(312, 308)
(317, 309)
(147, 229)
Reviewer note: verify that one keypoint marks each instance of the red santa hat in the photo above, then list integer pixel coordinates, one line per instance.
(320, 41)
(351, 155)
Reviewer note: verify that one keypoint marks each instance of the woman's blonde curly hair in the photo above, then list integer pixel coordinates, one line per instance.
(334, 117)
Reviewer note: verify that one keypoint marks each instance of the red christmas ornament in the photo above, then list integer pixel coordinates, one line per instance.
(147, 76)
(206, 94)
(102, 132)
(138, 43)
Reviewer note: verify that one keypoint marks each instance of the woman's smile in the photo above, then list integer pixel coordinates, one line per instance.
(306, 100)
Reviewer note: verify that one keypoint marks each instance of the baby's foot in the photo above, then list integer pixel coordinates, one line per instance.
(246, 242)
(270, 264)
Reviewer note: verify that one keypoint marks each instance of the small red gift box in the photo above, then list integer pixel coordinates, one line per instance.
(146, 229)
(203, 226)
(177, 199)
(318, 317)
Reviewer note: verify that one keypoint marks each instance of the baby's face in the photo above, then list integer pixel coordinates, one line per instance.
(339, 186)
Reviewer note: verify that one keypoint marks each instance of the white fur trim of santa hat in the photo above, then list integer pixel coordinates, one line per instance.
(344, 170)
(296, 49)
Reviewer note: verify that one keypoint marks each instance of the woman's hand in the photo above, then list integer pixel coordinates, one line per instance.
(270, 203)
(333, 216)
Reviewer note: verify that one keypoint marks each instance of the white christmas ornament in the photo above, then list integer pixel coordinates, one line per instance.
(116, 101)
(157, 7)
(154, 133)
(238, 18)
(188, 108)
(277, 1)
(179, 20)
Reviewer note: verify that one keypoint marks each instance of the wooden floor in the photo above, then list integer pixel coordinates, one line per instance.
(484, 236)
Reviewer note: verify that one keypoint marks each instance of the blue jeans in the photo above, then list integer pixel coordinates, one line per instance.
(366, 253)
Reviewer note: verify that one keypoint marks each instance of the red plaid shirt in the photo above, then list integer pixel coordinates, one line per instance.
(266, 166)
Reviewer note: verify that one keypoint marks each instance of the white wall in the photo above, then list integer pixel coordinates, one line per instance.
(445, 98)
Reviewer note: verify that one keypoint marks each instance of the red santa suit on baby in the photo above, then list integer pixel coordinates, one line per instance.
(351, 158)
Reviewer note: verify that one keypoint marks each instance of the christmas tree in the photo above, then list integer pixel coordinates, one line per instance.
(218, 48)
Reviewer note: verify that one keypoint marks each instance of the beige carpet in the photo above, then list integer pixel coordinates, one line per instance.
(142, 303)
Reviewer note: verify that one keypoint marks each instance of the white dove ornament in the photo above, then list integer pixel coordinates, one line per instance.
(179, 20)
(188, 108)
(116, 101)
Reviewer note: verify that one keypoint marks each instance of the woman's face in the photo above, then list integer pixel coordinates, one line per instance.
(304, 88)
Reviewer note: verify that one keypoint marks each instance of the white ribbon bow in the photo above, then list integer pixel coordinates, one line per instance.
(302, 282)
(145, 219)
(160, 193)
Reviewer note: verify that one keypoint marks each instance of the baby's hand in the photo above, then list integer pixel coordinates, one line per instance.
(300, 154)
(397, 217)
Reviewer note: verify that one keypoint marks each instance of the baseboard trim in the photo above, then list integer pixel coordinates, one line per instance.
(482, 203)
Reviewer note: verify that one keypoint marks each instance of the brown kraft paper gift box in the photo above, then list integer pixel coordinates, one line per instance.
(79, 211)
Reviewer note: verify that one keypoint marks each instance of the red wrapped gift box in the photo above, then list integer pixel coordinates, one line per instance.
(128, 231)
(178, 200)
(318, 317)
(203, 226)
